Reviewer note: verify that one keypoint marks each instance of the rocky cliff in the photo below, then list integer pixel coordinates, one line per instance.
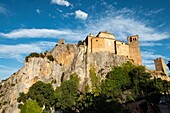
(69, 58)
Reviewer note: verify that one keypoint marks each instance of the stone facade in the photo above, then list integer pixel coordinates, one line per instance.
(160, 65)
(105, 41)
(122, 48)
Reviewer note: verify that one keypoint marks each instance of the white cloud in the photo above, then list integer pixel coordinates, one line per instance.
(151, 55)
(61, 2)
(152, 12)
(81, 15)
(59, 10)
(19, 51)
(38, 11)
(37, 33)
(5, 72)
(67, 14)
(121, 23)
(148, 58)
(123, 26)
(3, 10)
(150, 44)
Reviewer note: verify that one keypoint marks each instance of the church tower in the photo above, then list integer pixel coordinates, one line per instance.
(134, 49)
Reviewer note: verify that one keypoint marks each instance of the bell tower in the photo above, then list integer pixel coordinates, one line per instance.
(134, 49)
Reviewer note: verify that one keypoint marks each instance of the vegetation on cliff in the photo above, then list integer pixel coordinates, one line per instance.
(41, 55)
(123, 84)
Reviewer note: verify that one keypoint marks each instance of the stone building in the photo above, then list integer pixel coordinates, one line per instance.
(160, 65)
(105, 41)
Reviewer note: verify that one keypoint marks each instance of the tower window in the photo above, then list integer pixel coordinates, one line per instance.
(96, 40)
(130, 39)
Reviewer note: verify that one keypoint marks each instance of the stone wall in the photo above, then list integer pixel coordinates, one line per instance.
(160, 65)
(122, 48)
(103, 44)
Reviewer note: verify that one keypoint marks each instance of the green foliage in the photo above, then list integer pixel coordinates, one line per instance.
(31, 106)
(50, 57)
(53, 81)
(120, 76)
(80, 43)
(67, 94)
(87, 88)
(22, 97)
(32, 55)
(41, 55)
(117, 80)
(126, 83)
(43, 93)
(99, 104)
(139, 80)
(95, 81)
(110, 88)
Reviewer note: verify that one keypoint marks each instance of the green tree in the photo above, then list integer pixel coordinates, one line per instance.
(43, 93)
(31, 106)
(117, 80)
(95, 81)
(67, 94)
(22, 97)
(139, 80)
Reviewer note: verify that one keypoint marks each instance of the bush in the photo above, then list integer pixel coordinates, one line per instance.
(31, 106)
(50, 57)
(31, 55)
(80, 43)
(41, 55)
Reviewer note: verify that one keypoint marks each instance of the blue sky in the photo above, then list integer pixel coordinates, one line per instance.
(36, 25)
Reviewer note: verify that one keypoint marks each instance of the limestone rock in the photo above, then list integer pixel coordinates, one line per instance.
(69, 59)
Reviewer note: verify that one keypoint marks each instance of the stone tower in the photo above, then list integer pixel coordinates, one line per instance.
(134, 49)
(160, 65)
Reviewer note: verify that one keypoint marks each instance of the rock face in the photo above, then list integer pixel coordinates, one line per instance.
(69, 58)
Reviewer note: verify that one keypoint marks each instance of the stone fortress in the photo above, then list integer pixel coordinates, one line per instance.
(105, 41)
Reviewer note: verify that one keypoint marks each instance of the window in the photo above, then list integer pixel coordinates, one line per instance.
(130, 39)
(96, 40)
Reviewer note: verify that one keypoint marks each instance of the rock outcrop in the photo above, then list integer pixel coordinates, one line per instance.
(69, 58)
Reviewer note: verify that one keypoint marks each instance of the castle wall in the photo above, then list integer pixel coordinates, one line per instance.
(103, 44)
(160, 65)
(134, 49)
(122, 48)
(105, 41)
